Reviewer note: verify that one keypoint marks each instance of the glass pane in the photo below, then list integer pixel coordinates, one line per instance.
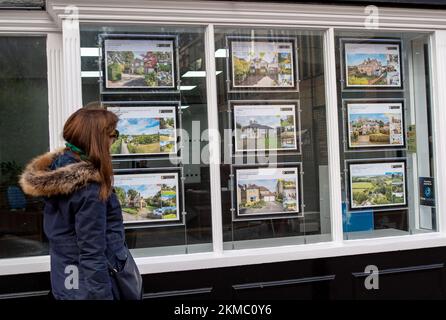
(271, 104)
(386, 134)
(153, 77)
(23, 135)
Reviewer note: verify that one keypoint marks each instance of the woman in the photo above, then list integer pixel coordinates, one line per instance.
(82, 216)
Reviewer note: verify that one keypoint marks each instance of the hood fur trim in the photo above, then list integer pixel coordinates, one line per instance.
(38, 180)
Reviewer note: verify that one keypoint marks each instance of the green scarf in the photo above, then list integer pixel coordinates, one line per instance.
(77, 150)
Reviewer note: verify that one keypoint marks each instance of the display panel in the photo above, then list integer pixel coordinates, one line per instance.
(262, 63)
(268, 191)
(148, 198)
(138, 63)
(375, 125)
(377, 185)
(145, 130)
(271, 127)
(372, 64)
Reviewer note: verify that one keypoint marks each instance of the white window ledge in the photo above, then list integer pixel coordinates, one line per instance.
(230, 258)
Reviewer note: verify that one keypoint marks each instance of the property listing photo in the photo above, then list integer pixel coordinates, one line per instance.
(145, 130)
(372, 64)
(377, 185)
(267, 127)
(373, 125)
(262, 63)
(268, 191)
(147, 63)
(151, 197)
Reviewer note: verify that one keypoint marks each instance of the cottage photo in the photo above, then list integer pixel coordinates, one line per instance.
(131, 63)
(265, 127)
(375, 125)
(373, 65)
(379, 184)
(262, 64)
(151, 197)
(145, 130)
(267, 191)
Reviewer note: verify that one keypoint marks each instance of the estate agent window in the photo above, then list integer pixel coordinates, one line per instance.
(385, 134)
(272, 119)
(272, 116)
(153, 78)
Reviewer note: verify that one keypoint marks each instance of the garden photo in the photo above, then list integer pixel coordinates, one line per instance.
(139, 64)
(372, 65)
(375, 125)
(377, 185)
(265, 127)
(267, 191)
(145, 131)
(148, 197)
(264, 64)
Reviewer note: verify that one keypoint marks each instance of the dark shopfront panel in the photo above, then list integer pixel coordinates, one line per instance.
(24, 135)
(415, 274)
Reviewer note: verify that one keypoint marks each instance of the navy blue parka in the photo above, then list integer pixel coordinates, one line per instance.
(85, 234)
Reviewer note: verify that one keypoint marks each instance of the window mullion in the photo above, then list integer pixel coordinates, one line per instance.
(214, 141)
(334, 166)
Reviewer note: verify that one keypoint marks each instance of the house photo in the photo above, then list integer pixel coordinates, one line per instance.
(135, 63)
(145, 130)
(262, 64)
(264, 194)
(372, 125)
(372, 64)
(147, 197)
(265, 127)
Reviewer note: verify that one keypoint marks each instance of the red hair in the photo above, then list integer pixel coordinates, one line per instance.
(90, 130)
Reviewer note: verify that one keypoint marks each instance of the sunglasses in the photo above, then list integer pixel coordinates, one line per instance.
(115, 134)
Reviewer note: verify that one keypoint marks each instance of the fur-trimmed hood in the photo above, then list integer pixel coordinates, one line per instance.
(39, 180)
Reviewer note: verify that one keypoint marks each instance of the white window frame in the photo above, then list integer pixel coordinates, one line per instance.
(65, 96)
